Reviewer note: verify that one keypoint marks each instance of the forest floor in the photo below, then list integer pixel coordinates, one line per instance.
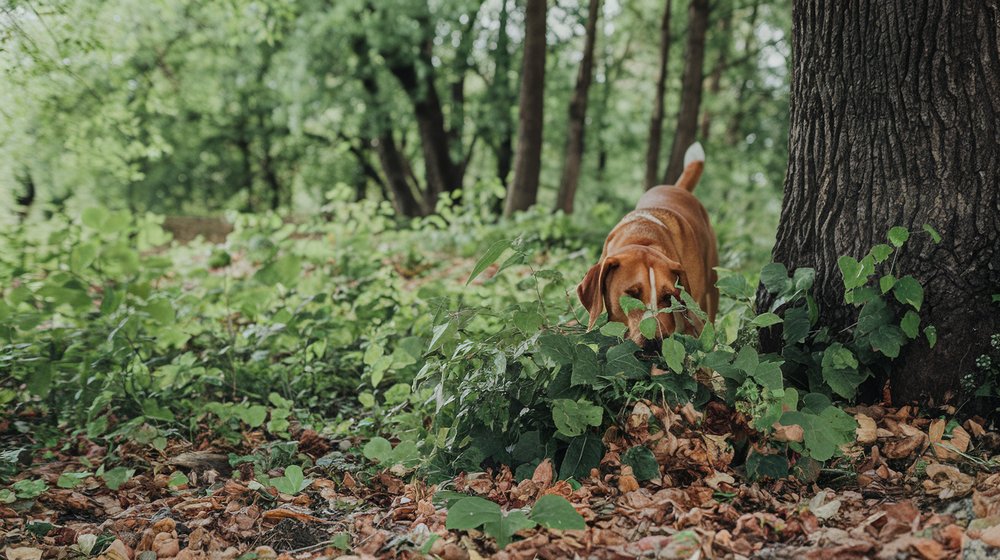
(902, 491)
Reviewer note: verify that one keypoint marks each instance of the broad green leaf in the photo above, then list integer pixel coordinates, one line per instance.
(492, 253)
(584, 453)
(910, 324)
(774, 276)
(766, 466)
(898, 235)
(907, 290)
(649, 327)
(471, 513)
(765, 320)
(254, 416)
(707, 337)
(29, 489)
(630, 304)
(285, 271)
(768, 374)
(735, 285)
(796, 325)
(378, 449)
(613, 329)
(586, 368)
(555, 512)
(560, 349)
(621, 359)
(643, 462)
(746, 360)
(886, 283)
(94, 217)
(887, 339)
(673, 354)
(117, 476)
(177, 479)
(71, 479)
(573, 417)
(880, 252)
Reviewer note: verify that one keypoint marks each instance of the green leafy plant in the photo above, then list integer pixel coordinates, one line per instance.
(550, 511)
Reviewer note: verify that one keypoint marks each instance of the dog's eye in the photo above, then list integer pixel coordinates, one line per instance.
(632, 292)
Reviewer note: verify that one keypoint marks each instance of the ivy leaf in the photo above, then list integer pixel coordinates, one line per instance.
(765, 320)
(735, 285)
(768, 374)
(853, 272)
(887, 339)
(573, 417)
(649, 327)
(935, 236)
(930, 331)
(630, 304)
(910, 324)
(586, 368)
(886, 282)
(796, 325)
(71, 479)
(880, 252)
(557, 347)
(766, 466)
(470, 513)
(621, 359)
(555, 512)
(378, 449)
(774, 276)
(643, 462)
(898, 235)
(673, 354)
(907, 290)
(489, 257)
(284, 270)
(613, 329)
(117, 476)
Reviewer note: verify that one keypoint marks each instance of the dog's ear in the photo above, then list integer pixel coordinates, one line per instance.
(591, 290)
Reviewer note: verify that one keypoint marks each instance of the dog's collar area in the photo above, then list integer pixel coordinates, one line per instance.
(641, 215)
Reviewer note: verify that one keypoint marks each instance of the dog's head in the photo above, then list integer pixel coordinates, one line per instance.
(641, 272)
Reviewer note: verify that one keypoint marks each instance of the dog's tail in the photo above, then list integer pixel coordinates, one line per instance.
(694, 164)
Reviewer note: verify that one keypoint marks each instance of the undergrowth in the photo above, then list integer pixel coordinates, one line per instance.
(354, 324)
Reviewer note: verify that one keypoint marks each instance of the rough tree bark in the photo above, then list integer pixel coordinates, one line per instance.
(577, 121)
(895, 120)
(691, 84)
(653, 145)
(528, 161)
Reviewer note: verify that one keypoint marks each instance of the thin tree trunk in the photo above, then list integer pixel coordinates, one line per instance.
(528, 163)
(577, 122)
(736, 121)
(691, 84)
(504, 148)
(895, 120)
(418, 78)
(715, 78)
(392, 160)
(656, 119)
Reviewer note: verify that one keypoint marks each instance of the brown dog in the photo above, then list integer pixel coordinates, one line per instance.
(666, 238)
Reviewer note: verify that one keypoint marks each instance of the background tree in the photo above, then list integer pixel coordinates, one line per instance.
(527, 164)
(652, 176)
(691, 85)
(888, 131)
(578, 115)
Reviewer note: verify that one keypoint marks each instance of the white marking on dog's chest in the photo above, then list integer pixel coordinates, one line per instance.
(652, 288)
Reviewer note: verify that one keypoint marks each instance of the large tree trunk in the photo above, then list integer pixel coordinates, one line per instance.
(691, 83)
(577, 122)
(895, 120)
(528, 162)
(656, 119)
